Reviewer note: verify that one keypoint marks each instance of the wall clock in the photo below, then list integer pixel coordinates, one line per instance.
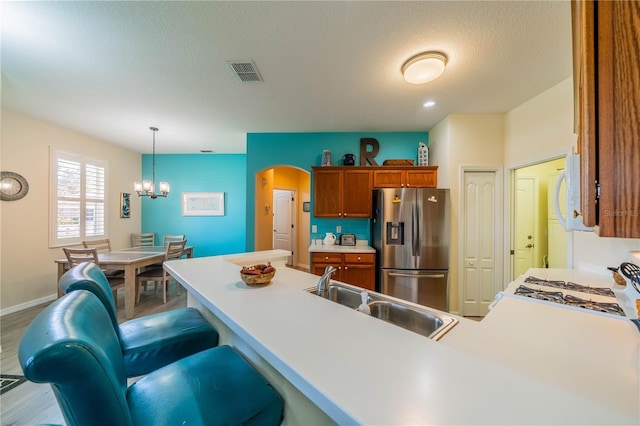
(12, 186)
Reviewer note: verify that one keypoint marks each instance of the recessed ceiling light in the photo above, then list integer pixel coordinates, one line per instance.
(429, 104)
(424, 67)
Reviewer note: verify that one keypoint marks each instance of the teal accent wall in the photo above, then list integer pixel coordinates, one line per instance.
(303, 150)
(210, 235)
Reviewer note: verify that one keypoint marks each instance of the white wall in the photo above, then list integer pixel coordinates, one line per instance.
(28, 274)
(463, 140)
(542, 128)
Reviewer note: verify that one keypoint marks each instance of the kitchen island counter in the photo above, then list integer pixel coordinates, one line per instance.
(360, 370)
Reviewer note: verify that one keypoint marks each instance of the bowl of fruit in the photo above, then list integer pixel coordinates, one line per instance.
(259, 274)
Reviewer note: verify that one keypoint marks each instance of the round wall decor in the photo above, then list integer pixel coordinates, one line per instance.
(12, 186)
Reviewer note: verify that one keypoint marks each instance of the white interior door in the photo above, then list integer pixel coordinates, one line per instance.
(526, 216)
(558, 236)
(283, 220)
(479, 248)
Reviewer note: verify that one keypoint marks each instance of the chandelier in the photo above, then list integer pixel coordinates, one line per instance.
(146, 188)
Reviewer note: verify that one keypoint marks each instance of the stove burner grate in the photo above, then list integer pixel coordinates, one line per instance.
(609, 308)
(551, 296)
(560, 298)
(600, 291)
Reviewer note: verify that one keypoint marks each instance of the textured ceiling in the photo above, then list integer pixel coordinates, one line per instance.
(112, 69)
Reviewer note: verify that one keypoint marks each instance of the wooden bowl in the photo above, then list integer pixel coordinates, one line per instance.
(262, 279)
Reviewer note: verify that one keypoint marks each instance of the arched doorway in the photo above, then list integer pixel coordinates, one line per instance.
(298, 183)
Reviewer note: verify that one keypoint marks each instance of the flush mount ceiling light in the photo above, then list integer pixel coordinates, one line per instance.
(147, 188)
(424, 67)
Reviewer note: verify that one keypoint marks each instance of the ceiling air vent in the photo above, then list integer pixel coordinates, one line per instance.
(245, 71)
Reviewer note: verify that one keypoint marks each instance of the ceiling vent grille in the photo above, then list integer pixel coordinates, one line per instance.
(245, 71)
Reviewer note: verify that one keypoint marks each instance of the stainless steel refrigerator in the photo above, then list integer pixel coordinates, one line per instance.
(410, 232)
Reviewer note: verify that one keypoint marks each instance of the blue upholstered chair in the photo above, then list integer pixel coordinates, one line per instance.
(73, 346)
(149, 342)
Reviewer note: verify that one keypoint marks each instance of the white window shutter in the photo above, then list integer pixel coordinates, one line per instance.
(78, 199)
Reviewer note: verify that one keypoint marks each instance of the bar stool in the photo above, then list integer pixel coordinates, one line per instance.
(148, 342)
(72, 345)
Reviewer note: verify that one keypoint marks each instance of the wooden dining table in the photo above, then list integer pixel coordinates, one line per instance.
(130, 260)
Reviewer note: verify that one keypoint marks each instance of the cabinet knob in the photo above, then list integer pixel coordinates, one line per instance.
(326, 258)
(345, 214)
(408, 184)
(346, 267)
(339, 214)
(359, 258)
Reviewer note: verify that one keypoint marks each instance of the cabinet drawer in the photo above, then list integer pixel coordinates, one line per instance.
(326, 257)
(359, 258)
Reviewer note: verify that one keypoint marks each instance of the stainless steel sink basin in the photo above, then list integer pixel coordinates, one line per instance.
(418, 319)
(341, 295)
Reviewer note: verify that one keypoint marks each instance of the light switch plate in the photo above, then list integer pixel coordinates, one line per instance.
(338, 229)
(314, 228)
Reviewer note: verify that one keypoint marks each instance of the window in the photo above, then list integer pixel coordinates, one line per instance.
(78, 203)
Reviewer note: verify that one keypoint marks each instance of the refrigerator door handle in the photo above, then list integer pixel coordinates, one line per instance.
(396, 274)
(415, 237)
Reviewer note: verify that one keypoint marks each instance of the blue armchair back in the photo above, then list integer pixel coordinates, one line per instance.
(73, 345)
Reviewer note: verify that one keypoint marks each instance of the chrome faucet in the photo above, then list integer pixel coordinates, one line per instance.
(323, 283)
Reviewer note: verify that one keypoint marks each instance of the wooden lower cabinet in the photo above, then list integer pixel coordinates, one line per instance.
(358, 269)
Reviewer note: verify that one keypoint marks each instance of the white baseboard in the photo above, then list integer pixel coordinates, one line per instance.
(31, 303)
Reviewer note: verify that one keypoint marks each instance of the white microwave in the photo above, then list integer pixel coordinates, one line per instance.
(571, 177)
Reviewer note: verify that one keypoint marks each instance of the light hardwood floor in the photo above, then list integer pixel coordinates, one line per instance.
(32, 403)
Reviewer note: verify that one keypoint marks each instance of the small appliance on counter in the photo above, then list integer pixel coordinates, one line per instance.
(347, 240)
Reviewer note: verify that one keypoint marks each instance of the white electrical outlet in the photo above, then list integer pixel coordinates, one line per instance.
(314, 228)
(338, 229)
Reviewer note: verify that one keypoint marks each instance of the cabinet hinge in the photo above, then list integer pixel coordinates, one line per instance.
(597, 190)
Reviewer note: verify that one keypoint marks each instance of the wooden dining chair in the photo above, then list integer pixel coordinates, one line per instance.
(167, 238)
(143, 239)
(76, 256)
(174, 250)
(103, 246)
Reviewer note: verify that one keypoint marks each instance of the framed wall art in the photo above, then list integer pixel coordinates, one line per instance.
(203, 204)
(125, 205)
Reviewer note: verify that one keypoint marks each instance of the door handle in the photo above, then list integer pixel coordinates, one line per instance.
(396, 274)
(529, 246)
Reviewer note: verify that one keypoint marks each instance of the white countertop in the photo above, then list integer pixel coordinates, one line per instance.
(360, 247)
(362, 370)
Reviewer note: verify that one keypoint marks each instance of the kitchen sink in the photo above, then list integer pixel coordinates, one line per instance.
(418, 319)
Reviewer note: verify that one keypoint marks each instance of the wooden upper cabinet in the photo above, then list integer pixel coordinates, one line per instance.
(405, 177)
(342, 192)
(327, 193)
(357, 197)
(608, 101)
(346, 191)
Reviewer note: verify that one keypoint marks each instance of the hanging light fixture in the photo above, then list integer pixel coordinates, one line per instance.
(424, 67)
(146, 188)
